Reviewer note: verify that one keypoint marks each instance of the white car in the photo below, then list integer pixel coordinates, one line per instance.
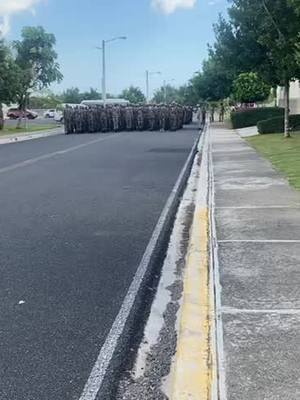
(49, 113)
(59, 116)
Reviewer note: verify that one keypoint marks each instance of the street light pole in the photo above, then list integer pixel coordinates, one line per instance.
(103, 73)
(103, 49)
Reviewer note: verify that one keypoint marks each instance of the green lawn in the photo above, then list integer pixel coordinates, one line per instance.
(12, 130)
(283, 153)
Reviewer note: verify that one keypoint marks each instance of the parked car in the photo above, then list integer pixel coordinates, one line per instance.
(15, 113)
(59, 116)
(49, 113)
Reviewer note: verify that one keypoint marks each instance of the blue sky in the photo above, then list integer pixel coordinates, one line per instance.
(171, 38)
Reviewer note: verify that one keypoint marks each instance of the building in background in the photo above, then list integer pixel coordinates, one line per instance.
(294, 97)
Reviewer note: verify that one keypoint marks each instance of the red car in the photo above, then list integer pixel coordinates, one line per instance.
(15, 113)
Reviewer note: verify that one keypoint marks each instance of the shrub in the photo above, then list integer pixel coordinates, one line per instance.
(276, 125)
(249, 87)
(250, 117)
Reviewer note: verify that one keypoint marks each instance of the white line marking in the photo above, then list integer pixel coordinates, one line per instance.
(55, 153)
(95, 380)
(222, 390)
(258, 241)
(229, 310)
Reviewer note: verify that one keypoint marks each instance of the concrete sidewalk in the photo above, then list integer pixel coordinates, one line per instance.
(257, 218)
(29, 136)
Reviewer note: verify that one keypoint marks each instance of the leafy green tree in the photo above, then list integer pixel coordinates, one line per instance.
(75, 96)
(250, 88)
(9, 78)
(44, 101)
(296, 5)
(72, 96)
(37, 62)
(274, 26)
(212, 83)
(134, 95)
(166, 94)
(93, 94)
(187, 95)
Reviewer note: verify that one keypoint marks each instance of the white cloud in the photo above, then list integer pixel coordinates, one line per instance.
(169, 6)
(10, 7)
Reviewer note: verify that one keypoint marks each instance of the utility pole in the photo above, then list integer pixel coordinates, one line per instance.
(103, 73)
(103, 49)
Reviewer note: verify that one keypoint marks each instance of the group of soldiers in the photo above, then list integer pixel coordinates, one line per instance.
(115, 118)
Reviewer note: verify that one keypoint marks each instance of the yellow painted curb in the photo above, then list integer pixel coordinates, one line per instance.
(193, 372)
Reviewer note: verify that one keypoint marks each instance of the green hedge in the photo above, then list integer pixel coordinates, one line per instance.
(250, 117)
(276, 125)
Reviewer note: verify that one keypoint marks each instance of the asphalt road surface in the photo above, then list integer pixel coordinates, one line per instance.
(76, 214)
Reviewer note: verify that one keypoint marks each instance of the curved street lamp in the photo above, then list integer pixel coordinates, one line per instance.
(103, 48)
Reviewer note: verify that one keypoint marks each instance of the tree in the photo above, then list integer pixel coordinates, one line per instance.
(166, 94)
(134, 95)
(9, 78)
(250, 88)
(93, 94)
(186, 95)
(213, 82)
(49, 100)
(72, 96)
(273, 25)
(296, 5)
(37, 62)
(75, 96)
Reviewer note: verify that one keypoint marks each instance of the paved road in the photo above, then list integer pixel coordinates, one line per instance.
(76, 214)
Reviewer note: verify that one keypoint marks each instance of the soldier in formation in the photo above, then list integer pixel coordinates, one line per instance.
(115, 118)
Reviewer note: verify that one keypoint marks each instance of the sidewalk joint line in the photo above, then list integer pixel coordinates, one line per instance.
(258, 241)
(258, 207)
(288, 311)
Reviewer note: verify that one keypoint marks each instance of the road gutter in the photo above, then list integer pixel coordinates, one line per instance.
(106, 368)
(195, 375)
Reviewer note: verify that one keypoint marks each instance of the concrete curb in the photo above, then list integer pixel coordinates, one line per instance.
(105, 373)
(194, 375)
(34, 135)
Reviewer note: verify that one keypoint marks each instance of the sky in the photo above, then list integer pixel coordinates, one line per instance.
(169, 36)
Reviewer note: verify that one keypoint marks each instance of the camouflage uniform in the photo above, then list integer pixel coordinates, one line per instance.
(173, 118)
(109, 113)
(81, 119)
(67, 120)
(116, 118)
(129, 118)
(140, 118)
(151, 118)
(91, 120)
(103, 119)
